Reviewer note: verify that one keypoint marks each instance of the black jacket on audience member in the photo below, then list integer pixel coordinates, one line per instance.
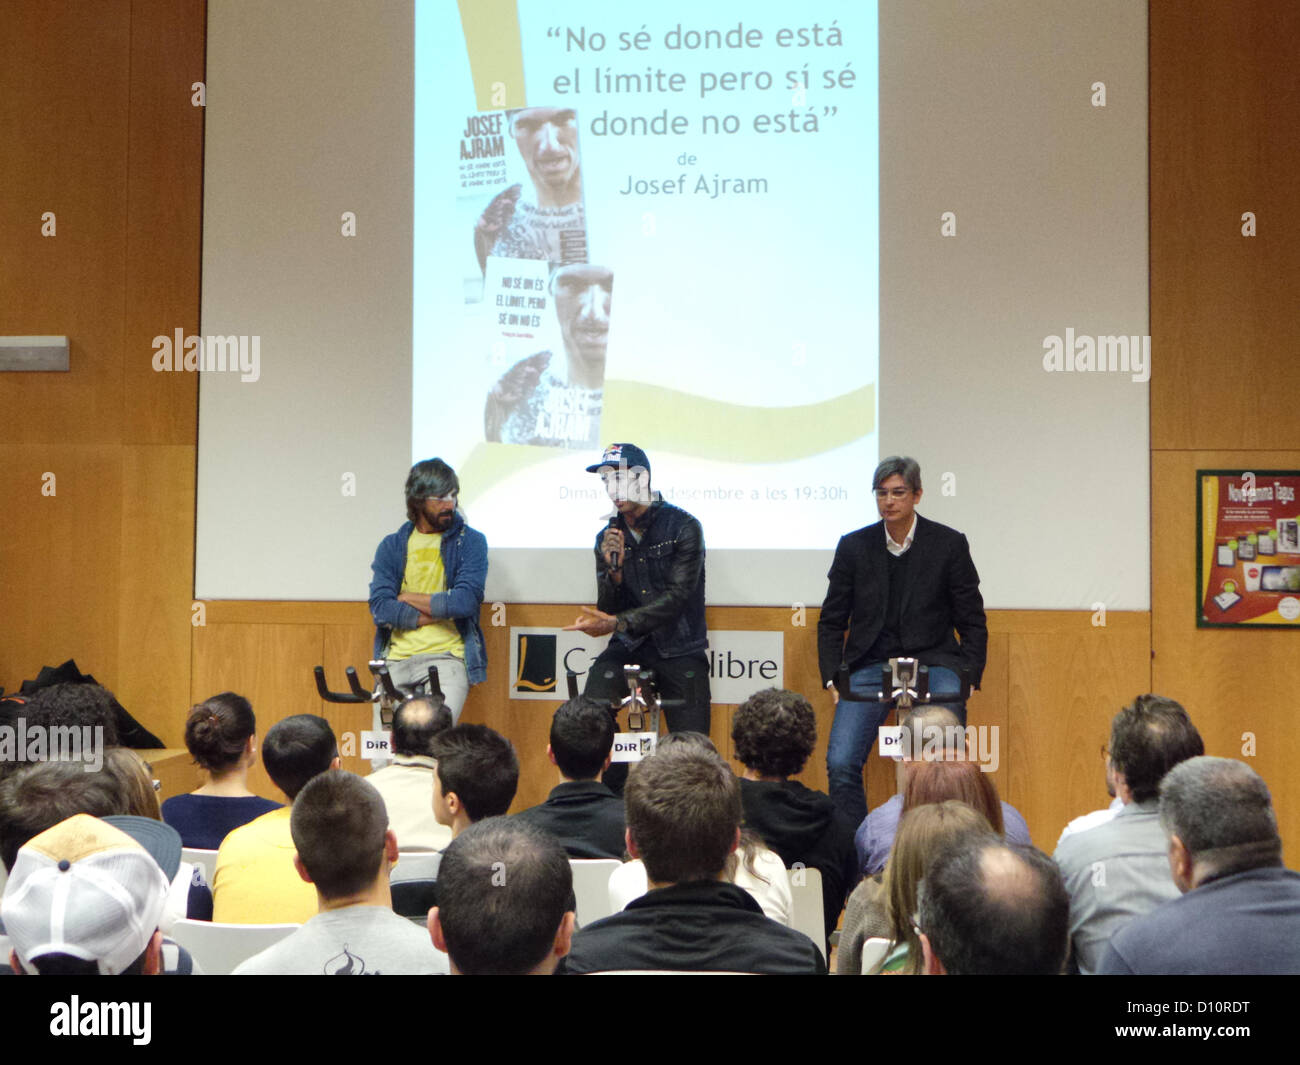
(804, 827)
(703, 926)
(585, 816)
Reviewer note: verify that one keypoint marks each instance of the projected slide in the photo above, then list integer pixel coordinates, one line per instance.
(653, 223)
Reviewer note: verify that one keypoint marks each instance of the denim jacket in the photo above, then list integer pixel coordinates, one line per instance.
(662, 593)
(465, 562)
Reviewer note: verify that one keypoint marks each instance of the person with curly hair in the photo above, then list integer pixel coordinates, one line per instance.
(775, 732)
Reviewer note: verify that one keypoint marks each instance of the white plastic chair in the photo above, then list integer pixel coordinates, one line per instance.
(591, 886)
(206, 860)
(416, 865)
(808, 916)
(218, 948)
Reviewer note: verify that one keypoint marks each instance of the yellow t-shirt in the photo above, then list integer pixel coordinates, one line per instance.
(424, 574)
(255, 881)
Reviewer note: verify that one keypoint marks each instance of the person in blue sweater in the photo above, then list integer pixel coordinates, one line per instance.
(427, 588)
(220, 733)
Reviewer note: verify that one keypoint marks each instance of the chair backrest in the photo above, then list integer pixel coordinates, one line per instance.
(415, 865)
(808, 916)
(591, 887)
(206, 860)
(218, 948)
(875, 952)
(413, 898)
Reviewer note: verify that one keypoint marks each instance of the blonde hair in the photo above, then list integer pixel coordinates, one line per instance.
(922, 834)
(134, 781)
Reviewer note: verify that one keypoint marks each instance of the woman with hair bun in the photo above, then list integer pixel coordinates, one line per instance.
(220, 734)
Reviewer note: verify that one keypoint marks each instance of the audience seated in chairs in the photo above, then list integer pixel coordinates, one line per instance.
(930, 733)
(220, 733)
(191, 895)
(878, 919)
(40, 795)
(1238, 910)
(345, 850)
(84, 898)
(90, 709)
(752, 866)
(683, 820)
(775, 732)
(581, 811)
(44, 794)
(255, 882)
(505, 905)
(1119, 870)
(989, 908)
(476, 777)
(407, 784)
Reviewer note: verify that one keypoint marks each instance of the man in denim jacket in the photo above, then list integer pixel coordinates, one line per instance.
(650, 594)
(427, 589)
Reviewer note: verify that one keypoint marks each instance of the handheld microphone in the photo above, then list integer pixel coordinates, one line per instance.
(615, 557)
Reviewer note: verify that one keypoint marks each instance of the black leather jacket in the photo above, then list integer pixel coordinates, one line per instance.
(662, 593)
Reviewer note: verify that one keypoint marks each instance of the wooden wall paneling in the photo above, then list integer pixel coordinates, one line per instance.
(175, 770)
(59, 582)
(989, 708)
(63, 121)
(525, 722)
(343, 646)
(1233, 682)
(279, 612)
(270, 665)
(1225, 92)
(1064, 687)
(164, 216)
(156, 564)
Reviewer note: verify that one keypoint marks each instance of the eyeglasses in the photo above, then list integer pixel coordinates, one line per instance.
(893, 493)
(444, 499)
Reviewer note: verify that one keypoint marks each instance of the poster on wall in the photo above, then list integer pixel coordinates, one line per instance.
(1248, 548)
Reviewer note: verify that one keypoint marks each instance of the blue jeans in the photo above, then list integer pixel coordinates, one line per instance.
(853, 732)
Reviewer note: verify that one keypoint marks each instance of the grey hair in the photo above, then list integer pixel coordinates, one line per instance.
(902, 465)
(428, 479)
(1222, 811)
(927, 721)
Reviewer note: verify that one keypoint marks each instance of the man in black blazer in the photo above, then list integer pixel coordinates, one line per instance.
(899, 587)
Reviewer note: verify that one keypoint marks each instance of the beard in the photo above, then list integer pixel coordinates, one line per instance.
(440, 522)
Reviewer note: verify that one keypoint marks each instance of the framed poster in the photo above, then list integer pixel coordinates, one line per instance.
(1248, 548)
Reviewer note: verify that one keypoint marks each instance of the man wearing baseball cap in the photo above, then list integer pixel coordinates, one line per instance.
(84, 898)
(649, 593)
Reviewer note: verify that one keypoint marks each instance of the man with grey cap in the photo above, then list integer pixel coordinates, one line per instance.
(1239, 911)
(649, 593)
(84, 898)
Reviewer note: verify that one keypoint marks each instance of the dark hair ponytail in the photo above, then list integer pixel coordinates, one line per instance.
(217, 730)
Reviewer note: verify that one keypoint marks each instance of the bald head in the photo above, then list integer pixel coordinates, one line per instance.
(933, 731)
(989, 908)
(416, 721)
